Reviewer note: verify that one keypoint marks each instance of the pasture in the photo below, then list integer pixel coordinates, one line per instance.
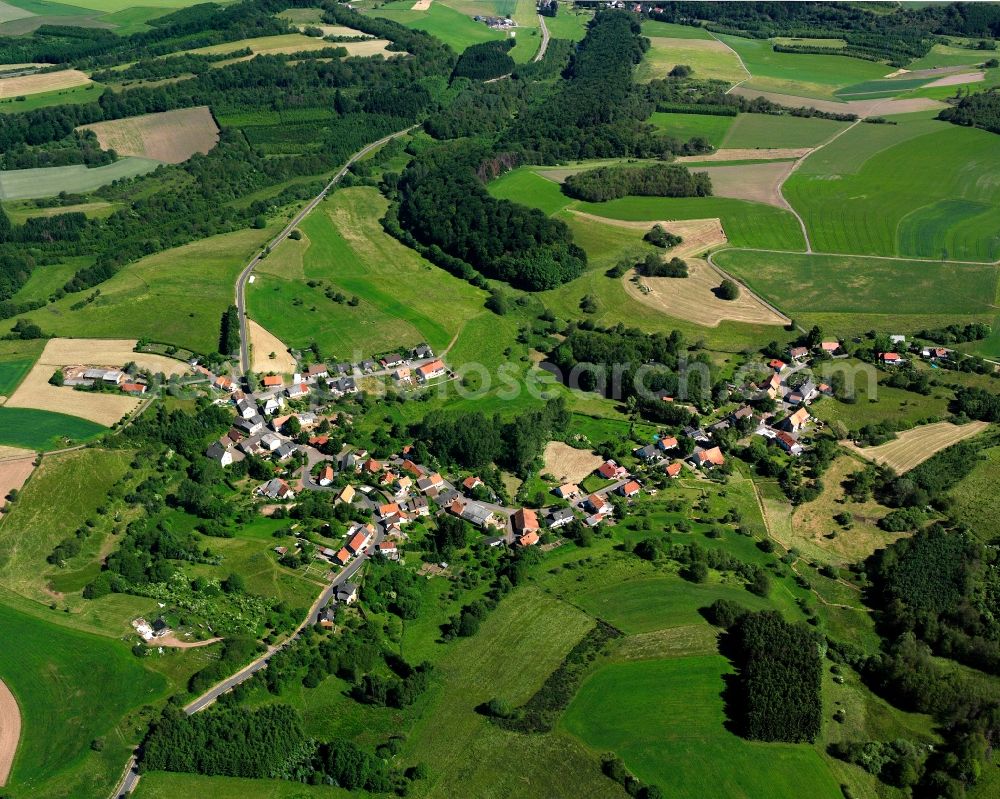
(687, 126)
(876, 403)
(43, 430)
(710, 60)
(769, 131)
(20, 211)
(944, 55)
(882, 205)
(977, 502)
(452, 27)
(402, 299)
(668, 30)
(71, 688)
(665, 719)
(913, 447)
(569, 24)
(170, 785)
(79, 94)
(42, 82)
(26, 184)
(169, 136)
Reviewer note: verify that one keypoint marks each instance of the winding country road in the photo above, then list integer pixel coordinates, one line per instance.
(243, 279)
(545, 40)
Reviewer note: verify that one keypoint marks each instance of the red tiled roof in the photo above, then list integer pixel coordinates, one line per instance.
(272, 380)
(525, 519)
(674, 469)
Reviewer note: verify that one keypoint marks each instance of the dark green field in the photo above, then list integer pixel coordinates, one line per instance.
(44, 430)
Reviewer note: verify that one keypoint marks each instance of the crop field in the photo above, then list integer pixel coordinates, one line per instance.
(769, 131)
(913, 447)
(169, 136)
(71, 688)
(42, 82)
(43, 430)
(893, 106)
(294, 43)
(264, 345)
(177, 296)
(452, 27)
(871, 89)
(665, 719)
(710, 60)
(686, 126)
(26, 184)
(801, 74)
(881, 205)
(757, 183)
(807, 285)
(403, 299)
(12, 372)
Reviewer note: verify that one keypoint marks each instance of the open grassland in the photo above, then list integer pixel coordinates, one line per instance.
(76, 483)
(913, 447)
(79, 94)
(169, 136)
(403, 299)
(43, 430)
(977, 502)
(166, 785)
(452, 27)
(710, 60)
(20, 212)
(71, 688)
(884, 205)
(665, 719)
(570, 24)
(943, 55)
(686, 126)
(42, 82)
(876, 403)
(26, 184)
(802, 74)
(177, 296)
(769, 131)
(668, 30)
(913, 292)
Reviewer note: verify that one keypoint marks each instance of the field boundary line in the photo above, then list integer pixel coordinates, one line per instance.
(815, 253)
(738, 58)
(727, 276)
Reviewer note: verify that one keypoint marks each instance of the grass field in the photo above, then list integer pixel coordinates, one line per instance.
(685, 126)
(12, 372)
(668, 30)
(710, 60)
(452, 27)
(568, 24)
(71, 688)
(863, 195)
(25, 184)
(165, 785)
(79, 94)
(404, 300)
(879, 403)
(42, 82)
(43, 430)
(20, 211)
(977, 502)
(665, 719)
(913, 447)
(177, 296)
(767, 131)
(943, 55)
(801, 74)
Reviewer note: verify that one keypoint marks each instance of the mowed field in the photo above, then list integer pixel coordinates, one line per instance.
(710, 60)
(665, 719)
(569, 464)
(977, 502)
(43, 82)
(403, 299)
(913, 447)
(26, 184)
(290, 43)
(769, 131)
(169, 136)
(687, 126)
(454, 28)
(865, 194)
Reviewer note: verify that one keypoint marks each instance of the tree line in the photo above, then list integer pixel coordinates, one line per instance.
(657, 180)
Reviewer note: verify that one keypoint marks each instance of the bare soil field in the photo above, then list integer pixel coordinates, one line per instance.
(955, 80)
(568, 464)
(263, 344)
(170, 136)
(10, 731)
(692, 298)
(45, 82)
(913, 447)
(14, 473)
(759, 183)
(862, 108)
(174, 642)
(106, 409)
(749, 154)
(698, 235)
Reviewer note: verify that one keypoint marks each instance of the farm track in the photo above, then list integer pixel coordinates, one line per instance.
(545, 40)
(244, 277)
(738, 58)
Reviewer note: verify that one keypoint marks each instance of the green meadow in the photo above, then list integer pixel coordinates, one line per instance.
(78, 94)
(72, 688)
(708, 61)
(167, 785)
(12, 372)
(976, 500)
(44, 430)
(568, 24)
(685, 126)
(665, 719)
(863, 194)
(803, 74)
(768, 130)
(452, 27)
(403, 299)
(876, 404)
(669, 30)
(943, 55)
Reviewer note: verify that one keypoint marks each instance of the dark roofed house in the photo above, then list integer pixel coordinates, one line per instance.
(559, 517)
(648, 453)
(423, 351)
(391, 361)
(347, 593)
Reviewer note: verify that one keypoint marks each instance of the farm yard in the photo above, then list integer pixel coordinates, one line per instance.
(170, 136)
(913, 447)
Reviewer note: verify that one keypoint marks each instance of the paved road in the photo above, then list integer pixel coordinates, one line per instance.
(241, 282)
(545, 40)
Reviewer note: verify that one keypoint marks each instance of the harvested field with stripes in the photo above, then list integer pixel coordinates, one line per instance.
(913, 447)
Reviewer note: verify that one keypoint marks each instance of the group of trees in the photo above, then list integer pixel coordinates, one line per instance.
(655, 266)
(656, 180)
(658, 236)
(486, 60)
(979, 110)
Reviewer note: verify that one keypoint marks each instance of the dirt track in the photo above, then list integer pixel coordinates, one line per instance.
(913, 447)
(748, 154)
(10, 731)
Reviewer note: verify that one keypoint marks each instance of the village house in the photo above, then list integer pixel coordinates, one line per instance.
(666, 443)
(771, 387)
(798, 353)
(422, 351)
(597, 504)
(471, 483)
(272, 381)
(368, 366)
(276, 489)
(371, 466)
(343, 556)
(223, 383)
(412, 468)
(648, 453)
(360, 536)
(402, 375)
(221, 452)
(317, 371)
(567, 491)
(934, 353)
(346, 495)
(430, 371)
(674, 469)
(271, 403)
(246, 409)
(777, 364)
(708, 458)
(134, 389)
(830, 347)
(630, 489)
(326, 618)
(788, 443)
(269, 442)
(344, 386)
(797, 421)
(494, 541)
(326, 475)
(296, 391)
(403, 485)
(342, 369)
(741, 413)
(347, 593)
(892, 359)
(432, 481)
(388, 549)
(559, 517)
(807, 392)
(250, 425)
(528, 539)
(391, 361)
(524, 521)
(610, 470)
(418, 506)
(285, 451)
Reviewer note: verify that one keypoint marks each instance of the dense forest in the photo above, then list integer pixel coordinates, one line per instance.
(485, 61)
(976, 110)
(656, 180)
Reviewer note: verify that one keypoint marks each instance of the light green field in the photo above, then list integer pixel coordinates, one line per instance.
(20, 211)
(665, 719)
(767, 130)
(165, 785)
(669, 30)
(802, 74)
(832, 44)
(943, 55)
(177, 296)
(568, 24)
(12, 372)
(26, 184)
(78, 94)
(685, 126)
(881, 404)
(46, 279)
(71, 688)
(865, 194)
(404, 299)
(452, 27)
(977, 502)
(43, 430)
(874, 89)
(708, 59)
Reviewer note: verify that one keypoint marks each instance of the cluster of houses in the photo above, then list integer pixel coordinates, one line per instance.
(496, 23)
